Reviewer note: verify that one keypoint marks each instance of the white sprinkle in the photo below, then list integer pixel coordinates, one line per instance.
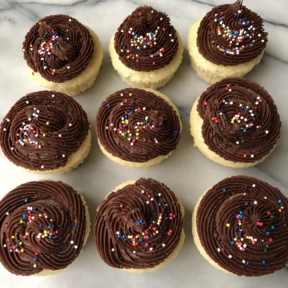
(131, 143)
(53, 95)
(70, 20)
(218, 250)
(151, 248)
(230, 256)
(237, 142)
(60, 135)
(7, 213)
(134, 252)
(253, 185)
(63, 155)
(266, 131)
(75, 246)
(4, 245)
(142, 191)
(243, 261)
(255, 202)
(12, 148)
(151, 199)
(71, 242)
(147, 202)
(112, 249)
(4, 129)
(34, 265)
(163, 244)
(42, 167)
(27, 102)
(265, 198)
(144, 108)
(252, 155)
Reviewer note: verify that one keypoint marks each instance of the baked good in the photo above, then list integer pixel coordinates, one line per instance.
(62, 54)
(227, 42)
(146, 50)
(46, 132)
(235, 123)
(240, 226)
(44, 226)
(138, 227)
(138, 127)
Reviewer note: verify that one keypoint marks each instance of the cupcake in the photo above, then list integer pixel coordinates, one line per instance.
(138, 227)
(138, 127)
(240, 226)
(44, 226)
(235, 123)
(227, 42)
(46, 132)
(146, 50)
(62, 54)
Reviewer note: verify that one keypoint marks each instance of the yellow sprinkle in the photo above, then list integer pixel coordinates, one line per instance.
(228, 225)
(128, 57)
(40, 215)
(21, 221)
(26, 233)
(107, 127)
(20, 243)
(128, 131)
(22, 250)
(44, 135)
(47, 123)
(12, 237)
(130, 94)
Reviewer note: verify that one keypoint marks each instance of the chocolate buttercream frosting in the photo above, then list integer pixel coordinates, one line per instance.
(231, 34)
(58, 47)
(242, 225)
(146, 40)
(42, 130)
(138, 226)
(42, 227)
(136, 125)
(240, 120)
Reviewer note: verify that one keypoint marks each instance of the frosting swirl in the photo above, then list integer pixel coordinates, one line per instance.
(240, 120)
(138, 226)
(42, 227)
(231, 35)
(42, 130)
(146, 40)
(137, 125)
(242, 225)
(58, 47)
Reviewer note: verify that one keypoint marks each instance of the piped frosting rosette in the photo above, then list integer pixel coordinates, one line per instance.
(231, 35)
(138, 226)
(42, 227)
(240, 120)
(42, 130)
(58, 47)
(146, 40)
(242, 226)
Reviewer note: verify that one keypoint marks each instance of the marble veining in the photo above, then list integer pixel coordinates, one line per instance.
(186, 172)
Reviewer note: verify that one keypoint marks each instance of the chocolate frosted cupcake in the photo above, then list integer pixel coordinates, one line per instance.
(146, 50)
(235, 123)
(46, 132)
(137, 127)
(240, 226)
(44, 226)
(62, 54)
(138, 227)
(228, 42)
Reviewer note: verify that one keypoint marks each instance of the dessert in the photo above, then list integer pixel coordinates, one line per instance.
(46, 132)
(44, 226)
(138, 127)
(227, 42)
(62, 54)
(138, 227)
(235, 123)
(146, 50)
(240, 226)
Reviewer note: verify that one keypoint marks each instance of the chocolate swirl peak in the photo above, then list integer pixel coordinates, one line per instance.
(240, 120)
(242, 225)
(42, 130)
(58, 47)
(137, 125)
(138, 226)
(146, 40)
(231, 35)
(42, 227)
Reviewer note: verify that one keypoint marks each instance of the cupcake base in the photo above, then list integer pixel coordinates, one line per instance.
(196, 123)
(81, 82)
(209, 71)
(152, 79)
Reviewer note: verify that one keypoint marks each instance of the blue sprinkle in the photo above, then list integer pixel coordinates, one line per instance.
(267, 233)
(224, 190)
(263, 262)
(108, 105)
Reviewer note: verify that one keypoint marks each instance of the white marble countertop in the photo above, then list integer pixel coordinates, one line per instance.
(187, 172)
